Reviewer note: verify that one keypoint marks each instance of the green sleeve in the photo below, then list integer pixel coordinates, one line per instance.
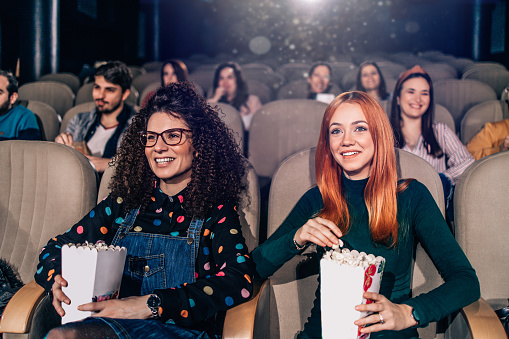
(279, 247)
(461, 286)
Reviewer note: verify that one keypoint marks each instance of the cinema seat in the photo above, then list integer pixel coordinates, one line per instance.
(46, 188)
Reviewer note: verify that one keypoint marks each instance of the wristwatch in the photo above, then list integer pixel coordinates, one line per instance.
(415, 316)
(154, 302)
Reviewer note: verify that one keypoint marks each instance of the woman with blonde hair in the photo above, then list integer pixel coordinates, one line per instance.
(360, 201)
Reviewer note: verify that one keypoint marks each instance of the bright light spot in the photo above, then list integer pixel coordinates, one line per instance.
(380, 3)
(292, 46)
(259, 45)
(364, 23)
(393, 35)
(296, 21)
(235, 51)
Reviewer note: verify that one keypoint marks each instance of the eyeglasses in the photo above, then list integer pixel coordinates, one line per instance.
(171, 137)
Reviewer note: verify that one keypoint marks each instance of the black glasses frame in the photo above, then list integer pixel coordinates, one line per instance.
(143, 136)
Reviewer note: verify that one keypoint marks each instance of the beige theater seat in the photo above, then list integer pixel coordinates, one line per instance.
(69, 79)
(56, 94)
(477, 116)
(481, 214)
(47, 117)
(46, 188)
(281, 128)
(497, 79)
(298, 89)
(460, 95)
(294, 71)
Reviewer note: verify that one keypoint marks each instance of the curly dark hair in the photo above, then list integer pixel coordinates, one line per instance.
(218, 167)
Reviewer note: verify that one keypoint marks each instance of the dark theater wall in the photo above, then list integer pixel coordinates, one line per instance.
(91, 30)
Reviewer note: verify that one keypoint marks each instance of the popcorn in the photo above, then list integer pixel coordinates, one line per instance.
(93, 273)
(345, 276)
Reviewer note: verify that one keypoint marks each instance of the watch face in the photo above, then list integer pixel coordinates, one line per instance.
(154, 301)
(416, 316)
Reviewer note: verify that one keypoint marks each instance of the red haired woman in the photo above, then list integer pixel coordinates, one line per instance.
(360, 200)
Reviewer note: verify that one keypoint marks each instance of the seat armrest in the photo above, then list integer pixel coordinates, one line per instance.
(240, 320)
(482, 321)
(18, 313)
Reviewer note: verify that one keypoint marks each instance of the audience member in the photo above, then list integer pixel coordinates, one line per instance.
(319, 82)
(102, 128)
(174, 197)
(371, 80)
(416, 132)
(360, 201)
(231, 88)
(16, 121)
(493, 138)
(172, 70)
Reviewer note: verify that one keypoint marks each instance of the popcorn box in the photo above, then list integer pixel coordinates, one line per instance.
(345, 276)
(93, 273)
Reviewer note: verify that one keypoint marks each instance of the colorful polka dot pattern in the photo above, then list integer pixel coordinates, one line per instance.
(219, 243)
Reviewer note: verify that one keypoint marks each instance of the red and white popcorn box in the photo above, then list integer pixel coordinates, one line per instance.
(93, 273)
(345, 276)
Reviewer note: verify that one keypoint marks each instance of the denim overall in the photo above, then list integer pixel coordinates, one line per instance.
(156, 261)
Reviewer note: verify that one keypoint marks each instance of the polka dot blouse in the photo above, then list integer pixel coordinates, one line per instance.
(223, 268)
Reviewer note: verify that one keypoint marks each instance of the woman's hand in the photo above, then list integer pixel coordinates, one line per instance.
(319, 231)
(126, 308)
(219, 92)
(59, 296)
(395, 317)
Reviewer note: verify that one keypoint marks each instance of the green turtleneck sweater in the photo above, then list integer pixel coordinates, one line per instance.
(419, 220)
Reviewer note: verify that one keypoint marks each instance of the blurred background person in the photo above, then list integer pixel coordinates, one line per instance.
(16, 121)
(172, 70)
(319, 82)
(231, 88)
(371, 81)
(101, 129)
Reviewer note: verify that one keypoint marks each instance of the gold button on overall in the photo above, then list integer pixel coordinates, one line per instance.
(147, 268)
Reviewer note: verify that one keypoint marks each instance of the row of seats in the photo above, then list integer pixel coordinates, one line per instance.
(283, 127)
(49, 186)
(456, 95)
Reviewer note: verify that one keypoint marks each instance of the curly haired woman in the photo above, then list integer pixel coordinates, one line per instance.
(178, 182)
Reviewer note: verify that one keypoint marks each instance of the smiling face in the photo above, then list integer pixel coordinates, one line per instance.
(171, 164)
(370, 78)
(320, 79)
(350, 141)
(414, 98)
(228, 81)
(169, 75)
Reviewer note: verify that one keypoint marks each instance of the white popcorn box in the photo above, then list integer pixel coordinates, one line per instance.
(342, 286)
(93, 273)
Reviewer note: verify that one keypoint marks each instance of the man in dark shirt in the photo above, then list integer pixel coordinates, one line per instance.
(16, 122)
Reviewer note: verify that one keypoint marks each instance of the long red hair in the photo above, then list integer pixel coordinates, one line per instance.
(381, 189)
